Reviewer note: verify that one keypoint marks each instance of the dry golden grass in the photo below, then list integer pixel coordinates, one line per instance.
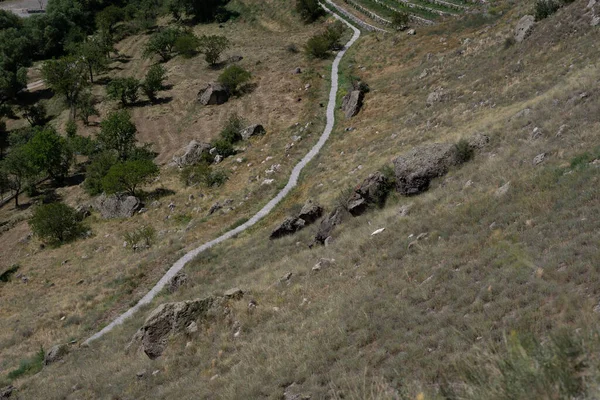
(384, 320)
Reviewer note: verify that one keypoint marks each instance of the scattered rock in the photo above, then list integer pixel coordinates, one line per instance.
(328, 223)
(235, 294)
(415, 170)
(115, 206)
(323, 263)
(436, 96)
(56, 353)
(213, 94)
(478, 141)
(295, 392)
(83, 211)
(352, 102)
(535, 134)
(214, 208)
(329, 241)
(252, 130)
(539, 159)
(298, 70)
(6, 392)
(236, 58)
(524, 28)
(268, 181)
(155, 204)
(192, 154)
(170, 318)
(177, 281)
(192, 328)
(372, 190)
(310, 212)
(378, 231)
(286, 277)
(141, 374)
(289, 226)
(411, 32)
(502, 190)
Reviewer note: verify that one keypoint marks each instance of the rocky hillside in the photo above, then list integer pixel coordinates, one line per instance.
(442, 245)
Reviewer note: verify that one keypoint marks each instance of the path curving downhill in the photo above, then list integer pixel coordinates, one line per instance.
(292, 182)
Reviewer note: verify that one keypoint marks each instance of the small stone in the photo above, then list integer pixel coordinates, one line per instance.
(328, 241)
(141, 374)
(323, 263)
(192, 328)
(6, 392)
(378, 231)
(235, 293)
(286, 277)
(155, 372)
(502, 190)
(411, 32)
(539, 159)
(56, 353)
(298, 70)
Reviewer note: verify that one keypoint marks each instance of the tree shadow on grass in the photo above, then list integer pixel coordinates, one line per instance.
(26, 98)
(156, 194)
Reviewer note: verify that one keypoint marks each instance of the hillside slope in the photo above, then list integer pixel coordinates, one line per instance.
(505, 244)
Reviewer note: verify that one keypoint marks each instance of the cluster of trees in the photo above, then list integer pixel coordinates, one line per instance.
(171, 40)
(126, 90)
(320, 45)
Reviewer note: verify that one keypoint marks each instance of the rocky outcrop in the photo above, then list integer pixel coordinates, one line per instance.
(115, 206)
(177, 281)
(252, 130)
(415, 170)
(192, 154)
(309, 213)
(524, 28)
(171, 318)
(352, 103)
(6, 392)
(437, 96)
(56, 353)
(213, 94)
(328, 223)
(372, 190)
(289, 226)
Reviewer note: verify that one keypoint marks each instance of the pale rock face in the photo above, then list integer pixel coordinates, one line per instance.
(524, 28)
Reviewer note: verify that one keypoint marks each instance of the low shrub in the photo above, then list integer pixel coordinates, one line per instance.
(203, 174)
(55, 223)
(464, 151)
(233, 77)
(141, 238)
(29, 366)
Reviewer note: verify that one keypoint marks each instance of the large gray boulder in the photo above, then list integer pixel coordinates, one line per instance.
(352, 103)
(214, 94)
(115, 206)
(328, 223)
(415, 170)
(56, 353)
(192, 154)
(372, 190)
(524, 28)
(252, 130)
(171, 318)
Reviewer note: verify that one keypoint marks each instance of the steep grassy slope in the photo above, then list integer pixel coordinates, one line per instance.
(389, 320)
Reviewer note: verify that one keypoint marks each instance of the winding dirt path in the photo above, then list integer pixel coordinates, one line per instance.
(179, 264)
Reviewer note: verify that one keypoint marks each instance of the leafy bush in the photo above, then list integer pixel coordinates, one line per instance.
(154, 81)
(56, 223)
(140, 238)
(162, 43)
(231, 130)
(128, 176)
(187, 44)
(123, 89)
(545, 8)
(319, 45)
(233, 77)
(212, 46)
(97, 170)
(202, 174)
(117, 132)
(464, 151)
(400, 20)
(309, 10)
(224, 147)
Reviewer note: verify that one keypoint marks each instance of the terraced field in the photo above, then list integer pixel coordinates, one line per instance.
(425, 12)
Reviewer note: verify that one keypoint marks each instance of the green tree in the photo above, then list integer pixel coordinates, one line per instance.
(129, 175)
(162, 43)
(400, 20)
(19, 170)
(86, 107)
(67, 77)
(187, 44)
(55, 223)
(231, 130)
(123, 89)
(49, 153)
(117, 132)
(94, 54)
(97, 169)
(212, 46)
(108, 18)
(233, 77)
(309, 10)
(35, 114)
(154, 81)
